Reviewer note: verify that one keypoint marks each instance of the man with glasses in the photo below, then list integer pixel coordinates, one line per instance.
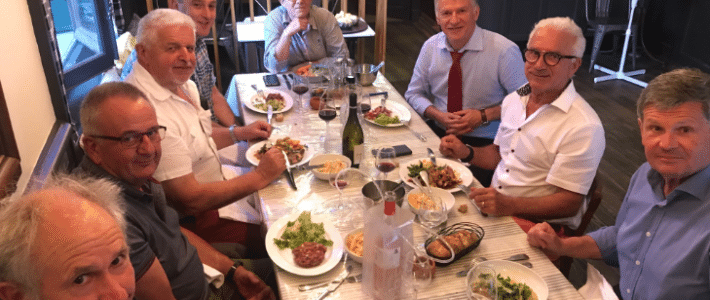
(550, 141)
(462, 75)
(122, 142)
(297, 32)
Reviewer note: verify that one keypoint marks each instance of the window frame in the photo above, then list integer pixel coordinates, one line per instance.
(10, 169)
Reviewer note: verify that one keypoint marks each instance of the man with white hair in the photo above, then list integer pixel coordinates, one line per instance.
(65, 241)
(195, 182)
(550, 141)
(462, 75)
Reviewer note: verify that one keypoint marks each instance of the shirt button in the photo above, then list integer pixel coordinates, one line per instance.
(638, 262)
(500, 187)
(648, 233)
(628, 291)
(519, 129)
(507, 170)
(512, 150)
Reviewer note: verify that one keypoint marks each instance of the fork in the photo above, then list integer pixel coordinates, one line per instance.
(258, 91)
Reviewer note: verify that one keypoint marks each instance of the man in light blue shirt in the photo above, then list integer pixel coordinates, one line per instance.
(661, 238)
(492, 67)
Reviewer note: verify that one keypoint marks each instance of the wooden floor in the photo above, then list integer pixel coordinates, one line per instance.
(614, 102)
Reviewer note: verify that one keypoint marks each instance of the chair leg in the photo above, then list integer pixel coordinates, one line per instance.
(598, 37)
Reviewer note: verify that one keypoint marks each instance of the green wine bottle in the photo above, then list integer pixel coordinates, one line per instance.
(353, 137)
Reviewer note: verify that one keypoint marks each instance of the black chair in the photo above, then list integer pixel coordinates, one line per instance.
(606, 16)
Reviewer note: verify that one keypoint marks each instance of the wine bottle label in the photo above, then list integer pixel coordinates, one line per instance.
(387, 258)
(358, 151)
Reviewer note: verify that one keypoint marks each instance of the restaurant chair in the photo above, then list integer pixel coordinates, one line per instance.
(564, 263)
(606, 16)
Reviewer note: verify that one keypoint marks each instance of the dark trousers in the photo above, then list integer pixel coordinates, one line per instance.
(484, 176)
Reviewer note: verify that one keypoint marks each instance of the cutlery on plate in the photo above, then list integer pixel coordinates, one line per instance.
(425, 177)
(269, 114)
(432, 157)
(516, 258)
(335, 284)
(288, 84)
(467, 191)
(289, 174)
(308, 287)
(258, 91)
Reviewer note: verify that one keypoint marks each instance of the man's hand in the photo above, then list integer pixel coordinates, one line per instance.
(258, 130)
(272, 164)
(467, 121)
(297, 25)
(251, 287)
(490, 201)
(451, 146)
(544, 237)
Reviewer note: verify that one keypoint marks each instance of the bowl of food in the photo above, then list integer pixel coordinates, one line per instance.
(327, 166)
(365, 74)
(354, 244)
(418, 200)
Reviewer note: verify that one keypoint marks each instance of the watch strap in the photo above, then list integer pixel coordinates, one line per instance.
(470, 154)
(230, 274)
(484, 118)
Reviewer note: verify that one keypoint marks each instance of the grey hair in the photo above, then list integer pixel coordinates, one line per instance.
(436, 5)
(564, 24)
(158, 19)
(20, 218)
(90, 113)
(675, 88)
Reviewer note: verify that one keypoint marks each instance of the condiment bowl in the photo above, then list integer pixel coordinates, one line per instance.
(445, 196)
(322, 159)
(365, 74)
(353, 255)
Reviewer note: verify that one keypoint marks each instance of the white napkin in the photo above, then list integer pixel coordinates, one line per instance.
(241, 210)
(597, 287)
(214, 277)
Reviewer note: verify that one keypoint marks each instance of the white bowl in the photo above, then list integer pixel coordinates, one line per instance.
(445, 195)
(321, 159)
(351, 254)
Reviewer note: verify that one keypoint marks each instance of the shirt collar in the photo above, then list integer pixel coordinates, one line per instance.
(568, 96)
(696, 185)
(475, 42)
(95, 170)
(152, 88)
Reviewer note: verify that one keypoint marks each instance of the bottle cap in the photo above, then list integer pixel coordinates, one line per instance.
(350, 79)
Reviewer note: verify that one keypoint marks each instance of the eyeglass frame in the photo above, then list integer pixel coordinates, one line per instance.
(160, 130)
(544, 56)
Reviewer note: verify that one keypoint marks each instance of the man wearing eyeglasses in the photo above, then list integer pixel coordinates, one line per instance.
(122, 142)
(550, 141)
(462, 75)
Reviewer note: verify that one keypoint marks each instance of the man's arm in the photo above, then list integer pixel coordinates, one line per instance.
(154, 284)
(486, 157)
(334, 40)
(560, 204)
(221, 108)
(544, 237)
(192, 197)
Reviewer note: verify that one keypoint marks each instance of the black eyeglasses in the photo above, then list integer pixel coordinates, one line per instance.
(133, 139)
(550, 58)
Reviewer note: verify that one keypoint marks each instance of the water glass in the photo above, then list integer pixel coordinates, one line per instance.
(482, 283)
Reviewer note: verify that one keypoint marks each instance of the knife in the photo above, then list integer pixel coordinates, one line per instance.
(269, 114)
(467, 191)
(336, 282)
(289, 174)
(288, 84)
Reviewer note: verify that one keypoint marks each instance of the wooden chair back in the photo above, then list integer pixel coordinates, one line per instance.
(595, 191)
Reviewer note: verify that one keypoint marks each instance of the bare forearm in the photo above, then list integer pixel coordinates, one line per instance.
(281, 50)
(208, 254)
(561, 204)
(221, 136)
(580, 247)
(486, 157)
(493, 113)
(221, 108)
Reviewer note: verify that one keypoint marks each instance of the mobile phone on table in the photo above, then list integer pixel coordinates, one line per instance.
(271, 80)
(399, 150)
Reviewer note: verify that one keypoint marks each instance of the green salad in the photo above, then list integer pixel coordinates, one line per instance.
(300, 231)
(507, 288)
(383, 119)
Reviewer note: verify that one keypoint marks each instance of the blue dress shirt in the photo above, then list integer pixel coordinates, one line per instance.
(661, 244)
(492, 67)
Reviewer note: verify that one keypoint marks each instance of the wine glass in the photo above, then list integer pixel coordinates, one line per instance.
(327, 112)
(384, 161)
(423, 270)
(482, 283)
(300, 87)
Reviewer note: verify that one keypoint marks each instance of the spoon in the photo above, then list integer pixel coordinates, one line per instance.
(378, 67)
(425, 177)
(432, 157)
(516, 258)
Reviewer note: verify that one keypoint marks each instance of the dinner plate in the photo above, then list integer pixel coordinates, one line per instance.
(359, 27)
(464, 173)
(314, 79)
(519, 273)
(288, 101)
(284, 258)
(397, 110)
(251, 152)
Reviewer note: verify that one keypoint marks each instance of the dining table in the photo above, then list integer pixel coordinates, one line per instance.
(502, 236)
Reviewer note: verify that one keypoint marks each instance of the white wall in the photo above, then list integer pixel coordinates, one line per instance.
(24, 84)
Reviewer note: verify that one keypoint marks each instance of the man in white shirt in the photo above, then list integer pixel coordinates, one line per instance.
(190, 170)
(549, 142)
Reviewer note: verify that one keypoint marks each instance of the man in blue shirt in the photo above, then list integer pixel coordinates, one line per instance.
(491, 67)
(661, 239)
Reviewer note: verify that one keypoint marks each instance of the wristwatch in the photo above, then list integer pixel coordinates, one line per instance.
(484, 118)
(232, 135)
(230, 273)
(470, 154)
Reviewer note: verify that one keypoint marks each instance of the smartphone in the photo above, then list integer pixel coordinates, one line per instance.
(399, 150)
(271, 80)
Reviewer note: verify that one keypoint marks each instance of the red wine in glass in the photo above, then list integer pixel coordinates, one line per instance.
(385, 167)
(327, 114)
(364, 107)
(300, 89)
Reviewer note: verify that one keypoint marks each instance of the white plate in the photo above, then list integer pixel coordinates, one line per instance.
(464, 173)
(251, 152)
(397, 110)
(519, 273)
(288, 101)
(284, 258)
(445, 195)
(321, 159)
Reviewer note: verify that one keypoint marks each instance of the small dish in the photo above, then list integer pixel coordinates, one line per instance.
(322, 159)
(359, 240)
(445, 196)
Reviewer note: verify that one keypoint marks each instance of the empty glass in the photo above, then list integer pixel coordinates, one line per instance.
(482, 283)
